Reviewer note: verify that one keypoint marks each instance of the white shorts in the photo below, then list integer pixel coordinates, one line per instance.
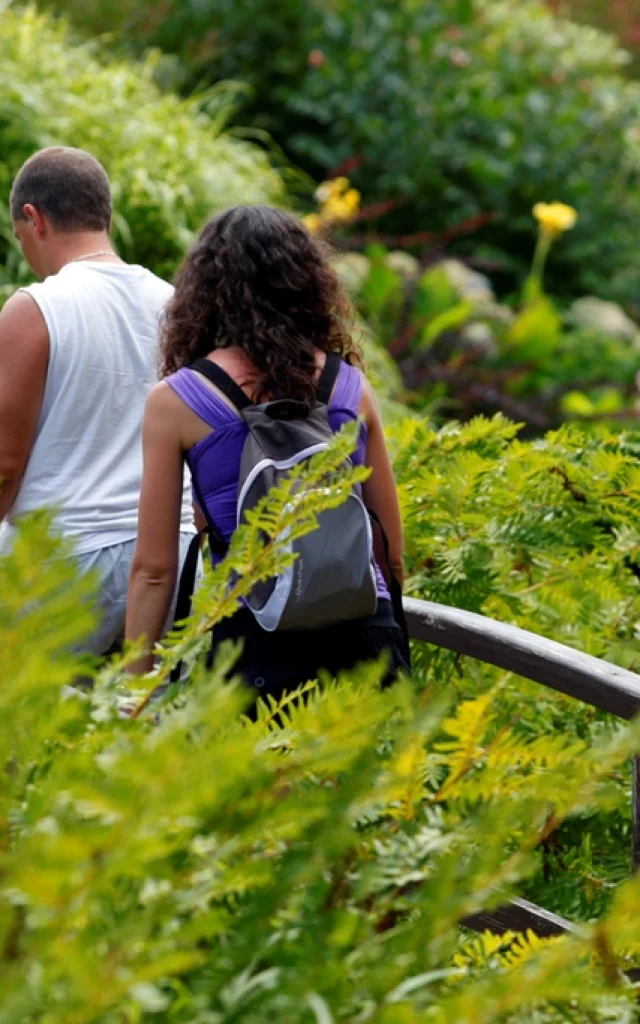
(113, 565)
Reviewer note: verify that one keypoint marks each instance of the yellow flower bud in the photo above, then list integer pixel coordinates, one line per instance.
(331, 189)
(339, 185)
(341, 207)
(351, 199)
(554, 218)
(313, 223)
(333, 209)
(338, 210)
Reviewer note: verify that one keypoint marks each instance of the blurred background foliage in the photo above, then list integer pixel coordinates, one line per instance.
(171, 164)
(622, 17)
(459, 352)
(452, 119)
(450, 116)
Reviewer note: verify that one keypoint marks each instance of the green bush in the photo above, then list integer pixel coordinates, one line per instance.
(188, 865)
(171, 166)
(544, 535)
(454, 109)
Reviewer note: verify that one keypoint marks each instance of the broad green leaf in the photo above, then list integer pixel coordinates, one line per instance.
(382, 288)
(435, 294)
(534, 334)
(576, 403)
(456, 316)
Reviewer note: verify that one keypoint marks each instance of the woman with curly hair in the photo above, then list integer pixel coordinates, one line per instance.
(257, 297)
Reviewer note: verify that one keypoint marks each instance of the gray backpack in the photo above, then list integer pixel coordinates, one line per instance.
(333, 578)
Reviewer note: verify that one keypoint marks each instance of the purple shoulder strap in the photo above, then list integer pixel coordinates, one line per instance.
(206, 404)
(347, 392)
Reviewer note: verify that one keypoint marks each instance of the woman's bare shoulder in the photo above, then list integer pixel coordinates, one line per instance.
(162, 400)
(164, 411)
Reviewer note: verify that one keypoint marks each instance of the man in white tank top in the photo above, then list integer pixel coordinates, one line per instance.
(78, 356)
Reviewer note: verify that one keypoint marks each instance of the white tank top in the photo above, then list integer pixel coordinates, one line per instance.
(86, 463)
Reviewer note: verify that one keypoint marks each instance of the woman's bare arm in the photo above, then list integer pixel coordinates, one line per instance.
(380, 492)
(154, 569)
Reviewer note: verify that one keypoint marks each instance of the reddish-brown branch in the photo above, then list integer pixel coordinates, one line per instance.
(420, 238)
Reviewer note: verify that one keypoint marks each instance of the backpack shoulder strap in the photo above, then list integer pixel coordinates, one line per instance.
(236, 395)
(328, 377)
(223, 381)
(395, 589)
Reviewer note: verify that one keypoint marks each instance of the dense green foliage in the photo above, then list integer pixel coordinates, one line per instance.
(170, 165)
(543, 535)
(449, 110)
(189, 865)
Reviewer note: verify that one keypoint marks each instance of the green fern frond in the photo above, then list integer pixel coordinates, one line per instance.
(509, 950)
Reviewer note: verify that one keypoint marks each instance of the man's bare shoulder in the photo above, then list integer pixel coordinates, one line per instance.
(21, 320)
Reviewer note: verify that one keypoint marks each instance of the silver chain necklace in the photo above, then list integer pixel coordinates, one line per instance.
(92, 255)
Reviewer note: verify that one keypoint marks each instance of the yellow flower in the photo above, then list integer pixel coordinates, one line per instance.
(338, 203)
(331, 189)
(341, 208)
(313, 223)
(339, 185)
(351, 199)
(334, 210)
(554, 218)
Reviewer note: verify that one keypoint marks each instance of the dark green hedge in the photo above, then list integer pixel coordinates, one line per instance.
(454, 108)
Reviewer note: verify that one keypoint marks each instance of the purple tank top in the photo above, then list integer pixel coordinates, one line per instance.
(215, 460)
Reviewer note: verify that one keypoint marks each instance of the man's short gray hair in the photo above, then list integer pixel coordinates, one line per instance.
(69, 186)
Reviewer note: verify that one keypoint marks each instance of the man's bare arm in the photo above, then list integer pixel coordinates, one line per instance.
(24, 357)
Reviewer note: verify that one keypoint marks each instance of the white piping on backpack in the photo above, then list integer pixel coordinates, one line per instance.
(283, 464)
(270, 614)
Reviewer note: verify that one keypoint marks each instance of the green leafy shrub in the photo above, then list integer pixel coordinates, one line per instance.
(459, 352)
(450, 111)
(543, 535)
(171, 166)
(513, 528)
(312, 865)
(189, 865)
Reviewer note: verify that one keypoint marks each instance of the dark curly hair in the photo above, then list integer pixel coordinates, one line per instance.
(256, 279)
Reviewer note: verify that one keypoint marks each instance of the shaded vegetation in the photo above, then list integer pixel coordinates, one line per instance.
(453, 114)
(171, 166)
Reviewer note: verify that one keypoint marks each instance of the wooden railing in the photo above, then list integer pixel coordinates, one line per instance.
(560, 668)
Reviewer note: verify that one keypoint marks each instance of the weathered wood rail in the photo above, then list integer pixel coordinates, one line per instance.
(555, 666)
